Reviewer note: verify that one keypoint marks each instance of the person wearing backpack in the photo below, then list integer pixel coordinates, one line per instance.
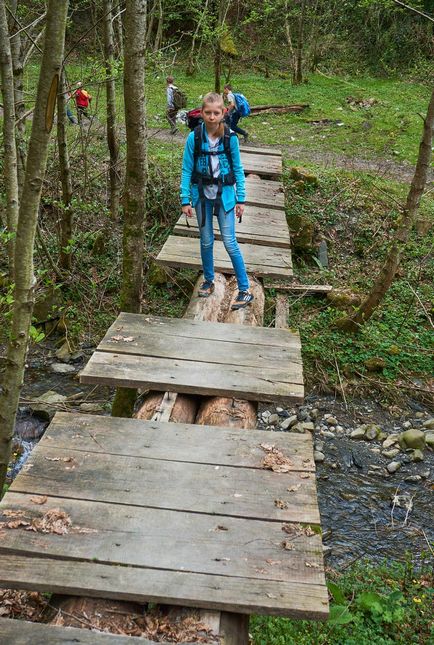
(176, 100)
(213, 183)
(237, 108)
(82, 102)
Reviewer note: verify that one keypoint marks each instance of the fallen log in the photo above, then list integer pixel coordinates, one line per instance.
(277, 109)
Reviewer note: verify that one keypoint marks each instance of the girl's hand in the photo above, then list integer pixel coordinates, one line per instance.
(239, 210)
(187, 210)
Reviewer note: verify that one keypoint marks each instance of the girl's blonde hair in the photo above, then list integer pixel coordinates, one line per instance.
(213, 97)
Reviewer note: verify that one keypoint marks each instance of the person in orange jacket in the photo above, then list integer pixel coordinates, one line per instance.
(82, 101)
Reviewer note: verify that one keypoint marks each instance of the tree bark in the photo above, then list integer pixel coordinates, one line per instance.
(402, 232)
(65, 261)
(118, 25)
(112, 135)
(20, 106)
(26, 227)
(10, 151)
(298, 70)
(135, 176)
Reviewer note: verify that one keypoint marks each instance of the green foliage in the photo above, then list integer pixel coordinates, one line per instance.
(35, 334)
(377, 605)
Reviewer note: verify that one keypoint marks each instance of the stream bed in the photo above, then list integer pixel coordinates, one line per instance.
(366, 511)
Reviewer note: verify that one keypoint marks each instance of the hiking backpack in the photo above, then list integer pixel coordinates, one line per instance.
(242, 104)
(179, 98)
(226, 146)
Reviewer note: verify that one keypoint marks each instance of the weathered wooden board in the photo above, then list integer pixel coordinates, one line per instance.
(23, 632)
(203, 330)
(138, 536)
(259, 260)
(259, 150)
(182, 442)
(263, 226)
(281, 384)
(201, 488)
(146, 341)
(264, 193)
(224, 368)
(267, 165)
(295, 600)
(305, 289)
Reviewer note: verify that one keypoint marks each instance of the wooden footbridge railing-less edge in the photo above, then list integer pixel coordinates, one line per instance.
(298, 600)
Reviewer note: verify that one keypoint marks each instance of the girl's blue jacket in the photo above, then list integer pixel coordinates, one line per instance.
(231, 195)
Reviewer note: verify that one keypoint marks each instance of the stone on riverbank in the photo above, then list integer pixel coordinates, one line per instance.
(417, 455)
(372, 432)
(429, 439)
(412, 439)
(393, 466)
(428, 424)
(45, 405)
(358, 433)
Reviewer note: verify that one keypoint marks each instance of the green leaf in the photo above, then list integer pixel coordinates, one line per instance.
(371, 601)
(340, 615)
(337, 593)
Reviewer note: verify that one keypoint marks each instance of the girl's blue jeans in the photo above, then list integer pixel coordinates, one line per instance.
(227, 229)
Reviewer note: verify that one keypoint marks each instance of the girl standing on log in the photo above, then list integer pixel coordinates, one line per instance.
(212, 181)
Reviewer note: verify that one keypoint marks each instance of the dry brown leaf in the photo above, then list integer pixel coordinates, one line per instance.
(39, 499)
(273, 562)
(279, 503)
(312, 565)
(11, 513)
(288, 546)
(53, 521)
(305, 475)
(293, 489)
(14, 524)
(53, 458)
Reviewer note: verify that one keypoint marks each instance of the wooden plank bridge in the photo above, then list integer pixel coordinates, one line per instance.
(152, 511)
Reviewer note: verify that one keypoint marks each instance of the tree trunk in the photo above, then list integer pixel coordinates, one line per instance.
(112, 136)
(20, 107)
(402, 232)
(10, 151)
(27, 220)
(135, 176)
(119, 33)
(159, 34)
(65, 178)
(298, 70)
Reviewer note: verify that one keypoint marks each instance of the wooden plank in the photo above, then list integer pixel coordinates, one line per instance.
(304, 289)
(274, 152)
(182, 442)
(294, 600)
(200, 488)
(269, 166)
(172, 540)
(281, 384)
(147, 342)
(259, 226)
(259, 260)
(264, 193)
(127, 323)
(282, 311)
(23, 632)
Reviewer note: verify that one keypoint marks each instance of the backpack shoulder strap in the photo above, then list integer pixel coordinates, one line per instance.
(197, 143)
(227, 143)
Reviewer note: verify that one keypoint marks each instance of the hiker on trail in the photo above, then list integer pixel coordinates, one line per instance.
(82, 101)
(212, 182)
(172, 109)
(69, 114)
(234, 110)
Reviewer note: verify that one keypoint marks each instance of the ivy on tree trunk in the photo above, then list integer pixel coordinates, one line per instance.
(135, 176)
(27, 220)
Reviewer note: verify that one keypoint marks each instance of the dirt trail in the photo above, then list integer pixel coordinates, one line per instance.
(381, 167)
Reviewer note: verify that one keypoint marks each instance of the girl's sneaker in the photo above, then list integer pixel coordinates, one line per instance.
(206, 289)
(243, 299)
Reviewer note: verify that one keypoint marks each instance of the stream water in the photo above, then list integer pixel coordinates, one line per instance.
(365, 512)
